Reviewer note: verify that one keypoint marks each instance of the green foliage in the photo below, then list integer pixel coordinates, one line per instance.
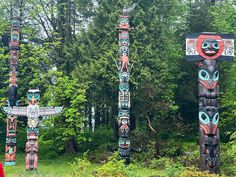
(99, 144)
(166, 166)
(223, 23)
(113, 167)
(82, 168)
(48, 149)
(58, 167)
(71, 94)
(70, 56)
(193, 172)
(228, 158)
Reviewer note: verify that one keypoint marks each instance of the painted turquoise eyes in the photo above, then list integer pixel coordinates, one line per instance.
(124, 40)
(124, 87)
(206, 45)
(216, 76)
(203, 75)
(204, 118)
(29, 96)
(215, 45)
(215, 119)
(124, 20)
(37, 96)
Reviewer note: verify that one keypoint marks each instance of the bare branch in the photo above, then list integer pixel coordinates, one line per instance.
(150, 125)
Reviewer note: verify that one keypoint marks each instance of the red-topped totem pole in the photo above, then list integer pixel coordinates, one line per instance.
(208, 49)
(10, 155)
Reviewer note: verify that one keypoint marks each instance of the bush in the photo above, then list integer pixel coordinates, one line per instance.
(49, 145)
(47, 149)
(228, 159)
(113, 168)
(102, 138)
(82, 167)
(193, 172)
(21, 138)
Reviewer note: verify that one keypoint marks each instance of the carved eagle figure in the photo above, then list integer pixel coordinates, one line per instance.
(33, 111)
(128, 9)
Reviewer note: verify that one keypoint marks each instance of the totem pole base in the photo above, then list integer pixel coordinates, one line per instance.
(127, 161)
(210, 152)
(203, 167)
(10, 163)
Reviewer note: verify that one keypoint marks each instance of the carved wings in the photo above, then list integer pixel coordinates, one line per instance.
(49, 111)
(22, 111)
(15, 111)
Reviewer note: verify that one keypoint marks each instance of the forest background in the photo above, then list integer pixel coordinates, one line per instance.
(68, 51)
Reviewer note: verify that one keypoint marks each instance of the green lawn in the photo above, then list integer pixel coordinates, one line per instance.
(59, 167)
(69, 166)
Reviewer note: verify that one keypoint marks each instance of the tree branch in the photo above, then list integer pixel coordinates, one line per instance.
(150, 125)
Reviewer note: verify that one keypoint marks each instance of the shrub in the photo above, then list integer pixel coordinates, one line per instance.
(193, 172)
(112, 168)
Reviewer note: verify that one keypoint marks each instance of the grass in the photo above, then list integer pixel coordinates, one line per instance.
(58, 167)
(141, 166)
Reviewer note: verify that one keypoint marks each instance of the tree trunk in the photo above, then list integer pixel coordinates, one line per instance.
(71, 146)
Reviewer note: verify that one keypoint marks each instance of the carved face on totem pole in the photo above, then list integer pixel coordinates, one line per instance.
(124, 76)
(124, 99)
(124, 22)
(209, 46)
(15, 22)
(124, 50)
(32, 135)
(123, 123)
(15, 36)
(11, 125)
(208, 78)
(33, 96)
(14, 57)
(124, 143)
(13, 78)
(209, 121)
(124, 41)
(124, 86)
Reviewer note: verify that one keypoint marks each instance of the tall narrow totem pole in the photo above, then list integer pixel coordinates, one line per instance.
(124, 93)
(10, 151)
(208, 49)
(33, 112)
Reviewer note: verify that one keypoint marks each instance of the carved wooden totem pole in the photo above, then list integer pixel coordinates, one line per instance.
(33, 112)
(208, 49)
(124, 93)
(10, 151)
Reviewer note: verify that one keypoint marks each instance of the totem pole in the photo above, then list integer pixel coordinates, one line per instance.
(10, 151)
(124, 94)
(208, 49)
(33, 112)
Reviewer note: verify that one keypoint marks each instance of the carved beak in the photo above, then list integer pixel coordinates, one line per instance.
(33, 100)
